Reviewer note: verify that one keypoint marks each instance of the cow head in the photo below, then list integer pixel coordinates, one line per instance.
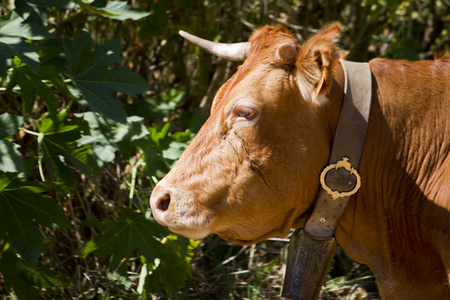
(252, 171)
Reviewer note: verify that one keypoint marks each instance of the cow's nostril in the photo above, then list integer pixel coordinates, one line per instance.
(160, 203)
(163, 203)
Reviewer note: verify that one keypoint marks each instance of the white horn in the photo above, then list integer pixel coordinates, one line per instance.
(236, 51)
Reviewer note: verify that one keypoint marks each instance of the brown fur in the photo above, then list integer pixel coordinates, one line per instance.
(248, 180)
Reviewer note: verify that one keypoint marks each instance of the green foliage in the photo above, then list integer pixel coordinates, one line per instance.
(69, 126)
(13, 29)
(21, 202)
(179, 251)
(122, 236)
(106, 136)
(90, 74)
(25, 280)
(58, 148)
(162, 148)
(31, 84)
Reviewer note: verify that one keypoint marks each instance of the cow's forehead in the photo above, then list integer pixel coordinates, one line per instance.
(262, 84)
(255, 87)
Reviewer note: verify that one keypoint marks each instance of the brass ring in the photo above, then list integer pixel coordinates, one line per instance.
(340, 164)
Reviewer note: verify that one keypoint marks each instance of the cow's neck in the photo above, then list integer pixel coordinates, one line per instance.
(386, 222)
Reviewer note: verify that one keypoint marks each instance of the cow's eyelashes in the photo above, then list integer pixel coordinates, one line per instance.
(246, 113)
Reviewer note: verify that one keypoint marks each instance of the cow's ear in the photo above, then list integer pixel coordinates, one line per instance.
(315, 63)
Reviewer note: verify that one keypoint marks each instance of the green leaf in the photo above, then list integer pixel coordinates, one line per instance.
(62, 144)
(86, 4)
(23, 278)
(106, 136)
(10, 158)
(114, 9)
(122, 11)
(97, 86)
(31, 84)
(40, 275)
(59, 147)
(120, 238)
(118, 80)
(130, 131)
(15, 27)
(51, 74)
(38, 10)
(82, 58)
(102, 102)
(175, 264)
(19, 207)
(9, 124)
(51, 53)
(25, 51)
(14, 276)
(50, 126)
(11, 182)
(5, 57)
(162, 149)
(98, 83)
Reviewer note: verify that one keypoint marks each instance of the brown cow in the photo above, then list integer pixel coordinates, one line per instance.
(252, 171)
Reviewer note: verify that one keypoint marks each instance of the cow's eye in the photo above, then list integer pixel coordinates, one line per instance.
(246, 113)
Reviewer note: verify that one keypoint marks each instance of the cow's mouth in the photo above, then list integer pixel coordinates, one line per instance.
(196, 234)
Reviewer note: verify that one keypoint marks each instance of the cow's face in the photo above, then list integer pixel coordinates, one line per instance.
(252, 171)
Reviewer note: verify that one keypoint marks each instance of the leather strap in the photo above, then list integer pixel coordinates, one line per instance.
(348, 145)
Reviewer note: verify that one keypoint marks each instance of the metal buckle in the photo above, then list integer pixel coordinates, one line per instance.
(340, 164)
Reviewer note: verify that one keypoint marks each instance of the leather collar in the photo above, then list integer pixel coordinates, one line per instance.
(340, 179)
(311, 249)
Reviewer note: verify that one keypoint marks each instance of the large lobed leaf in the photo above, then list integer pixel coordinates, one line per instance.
(21, 203)
(89, 68)
(121, 238)
(175, 264)
(166, 258)
(59, 148)
(23, 278)
(31, 84)
(13, 28)
(162, 149)
(98, 83)
(107, 137)
(14, 278)
(114, 9)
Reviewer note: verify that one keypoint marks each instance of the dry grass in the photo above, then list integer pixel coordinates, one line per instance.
(224, 270)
